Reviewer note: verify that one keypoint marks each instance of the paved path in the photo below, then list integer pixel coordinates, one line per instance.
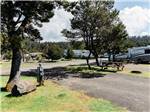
(130, 92)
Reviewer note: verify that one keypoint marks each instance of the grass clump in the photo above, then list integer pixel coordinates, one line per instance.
(53, 98)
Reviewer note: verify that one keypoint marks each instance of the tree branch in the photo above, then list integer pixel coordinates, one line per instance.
(18, 20)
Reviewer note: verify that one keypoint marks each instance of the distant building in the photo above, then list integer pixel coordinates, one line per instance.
(35, 54)
(79, 53)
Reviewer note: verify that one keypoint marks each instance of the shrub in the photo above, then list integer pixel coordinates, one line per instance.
(54, 52)
(8, 55)
(70, 54)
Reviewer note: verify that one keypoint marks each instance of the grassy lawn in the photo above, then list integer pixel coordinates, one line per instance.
(53, 98)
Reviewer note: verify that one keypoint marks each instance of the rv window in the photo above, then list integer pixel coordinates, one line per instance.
(147, 51)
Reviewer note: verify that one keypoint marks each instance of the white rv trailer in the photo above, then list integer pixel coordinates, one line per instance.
(135, 54)
(139, 54)
(79, 53)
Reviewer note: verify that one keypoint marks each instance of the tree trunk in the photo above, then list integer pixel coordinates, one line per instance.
(113, 57)
(87, 60)
(23, 57)
(96, 57)
(15, 67)
(97, 62)
(109, 56)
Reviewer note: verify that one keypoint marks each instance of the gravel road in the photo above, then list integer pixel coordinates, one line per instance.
(130, 92)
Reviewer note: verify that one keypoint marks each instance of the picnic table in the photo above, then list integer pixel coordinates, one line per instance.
(118, 65)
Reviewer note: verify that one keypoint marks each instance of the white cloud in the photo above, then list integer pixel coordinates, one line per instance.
(52, 31)
(145, 33)
(136, 20)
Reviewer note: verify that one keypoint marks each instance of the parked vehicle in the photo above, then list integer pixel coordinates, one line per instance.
(121, 57)
(103, 60)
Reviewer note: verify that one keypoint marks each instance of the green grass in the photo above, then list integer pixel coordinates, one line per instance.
(53, 98)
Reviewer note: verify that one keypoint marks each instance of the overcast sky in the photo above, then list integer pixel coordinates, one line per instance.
(135, 14)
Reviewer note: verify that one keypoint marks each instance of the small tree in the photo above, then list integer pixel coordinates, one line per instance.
(117, 38)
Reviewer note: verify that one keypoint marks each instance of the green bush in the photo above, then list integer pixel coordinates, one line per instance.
(70, 54)
(54, 52)
(8, 55)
